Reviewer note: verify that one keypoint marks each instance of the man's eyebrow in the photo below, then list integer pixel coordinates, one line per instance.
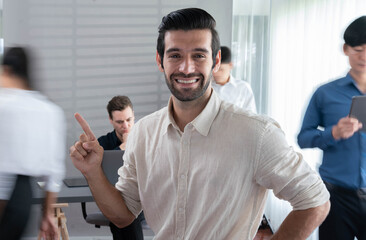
(194, 50)
(172, 50)
(201, 50)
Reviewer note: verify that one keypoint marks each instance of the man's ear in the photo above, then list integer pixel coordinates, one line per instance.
(345, 49)
(159, 62)
(7, 70)
(110, 120)
(216, 66)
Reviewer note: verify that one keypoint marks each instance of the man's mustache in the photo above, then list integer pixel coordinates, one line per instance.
(182, 75)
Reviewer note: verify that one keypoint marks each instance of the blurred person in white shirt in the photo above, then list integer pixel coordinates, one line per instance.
(32, 144)
(229, 89)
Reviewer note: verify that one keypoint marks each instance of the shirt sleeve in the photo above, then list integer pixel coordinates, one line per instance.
(127, 182)
(249, 98)
(57, 145)
(282, 169)
(310, 135)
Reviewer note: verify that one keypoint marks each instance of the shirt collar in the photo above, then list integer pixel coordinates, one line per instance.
(168, 120)
(202, 123)
(232, 81)
(204, 120)
(348, 79)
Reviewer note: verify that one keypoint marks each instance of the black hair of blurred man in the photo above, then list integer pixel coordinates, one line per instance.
(16, 64)
(222, 76)
(355, 33)
(225, 54)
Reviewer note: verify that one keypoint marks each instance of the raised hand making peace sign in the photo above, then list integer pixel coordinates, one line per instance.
(86, 154)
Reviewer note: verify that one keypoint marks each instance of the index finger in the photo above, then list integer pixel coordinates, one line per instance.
(85, 126)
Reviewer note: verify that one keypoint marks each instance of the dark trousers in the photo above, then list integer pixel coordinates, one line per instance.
(131, 232)
(347, 216)
(17, 210)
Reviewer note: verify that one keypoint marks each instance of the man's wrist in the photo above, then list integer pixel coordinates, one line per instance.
(335, 133)
(94, 175)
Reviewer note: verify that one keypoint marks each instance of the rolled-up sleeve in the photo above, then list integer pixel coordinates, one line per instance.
(285, 171)
(127, 184)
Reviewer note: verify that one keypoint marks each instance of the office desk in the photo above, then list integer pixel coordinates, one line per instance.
(66, 195)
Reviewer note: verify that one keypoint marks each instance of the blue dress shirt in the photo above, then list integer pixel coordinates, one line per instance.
(344, 160)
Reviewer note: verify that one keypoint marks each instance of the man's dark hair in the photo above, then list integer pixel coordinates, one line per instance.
(188, 19)
(225, 54)
(17, 61)
(118, 103)
(355, 34)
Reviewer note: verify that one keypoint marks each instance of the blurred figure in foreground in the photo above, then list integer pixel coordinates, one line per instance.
(327, 126)
(237, 92)
(32, 140)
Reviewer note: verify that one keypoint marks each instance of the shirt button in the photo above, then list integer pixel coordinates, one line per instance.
(182, 176)
(180, 209)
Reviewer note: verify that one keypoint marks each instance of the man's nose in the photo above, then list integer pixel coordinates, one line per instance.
(187, 66)
(124, 125)
(363, 54)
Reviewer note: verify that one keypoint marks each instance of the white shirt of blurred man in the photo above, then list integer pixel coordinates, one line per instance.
(229, 89)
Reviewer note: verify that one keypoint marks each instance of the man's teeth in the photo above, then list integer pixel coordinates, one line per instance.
(186, 81)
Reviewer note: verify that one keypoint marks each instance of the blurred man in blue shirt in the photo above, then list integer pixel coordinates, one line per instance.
(326, 125)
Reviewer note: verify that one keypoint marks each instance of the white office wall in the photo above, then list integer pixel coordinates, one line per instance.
(88, 51)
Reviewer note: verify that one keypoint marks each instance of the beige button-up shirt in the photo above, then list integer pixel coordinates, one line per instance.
(211, 181)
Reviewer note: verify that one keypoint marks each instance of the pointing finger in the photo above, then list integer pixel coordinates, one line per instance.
(85, 126)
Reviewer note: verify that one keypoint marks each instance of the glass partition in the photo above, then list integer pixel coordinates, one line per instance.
(250, 43)
(1, 28)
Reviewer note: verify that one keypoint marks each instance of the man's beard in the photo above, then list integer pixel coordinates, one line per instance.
(187, 94)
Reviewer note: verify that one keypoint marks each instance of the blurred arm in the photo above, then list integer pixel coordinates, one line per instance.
(310, 135)
(48, 226)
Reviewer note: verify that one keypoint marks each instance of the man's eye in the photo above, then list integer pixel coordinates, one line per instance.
(174, 56)
(200, 56)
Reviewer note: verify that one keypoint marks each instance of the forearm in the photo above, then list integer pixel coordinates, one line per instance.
(299, 224)
(311, 138)
(49, 199)
(48, 227)
(109, 200)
